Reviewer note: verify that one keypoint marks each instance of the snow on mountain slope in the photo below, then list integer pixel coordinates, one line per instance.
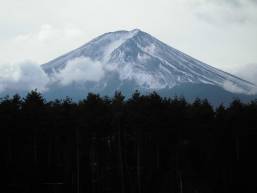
(138, 57)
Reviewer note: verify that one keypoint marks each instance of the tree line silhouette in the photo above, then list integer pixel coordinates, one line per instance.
(143, 144)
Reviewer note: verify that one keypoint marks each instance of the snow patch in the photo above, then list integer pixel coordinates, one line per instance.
(151, 64)
(150, 49)
(143, 57)
(116, 43)
(142, 78)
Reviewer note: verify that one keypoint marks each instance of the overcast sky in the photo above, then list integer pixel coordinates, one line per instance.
(222, 33)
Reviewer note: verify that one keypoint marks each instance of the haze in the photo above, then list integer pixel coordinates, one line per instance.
(220, 33)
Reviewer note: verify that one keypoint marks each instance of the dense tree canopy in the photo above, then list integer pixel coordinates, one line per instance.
(142, 144)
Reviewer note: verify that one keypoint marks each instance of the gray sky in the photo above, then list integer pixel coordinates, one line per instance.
(222, 33)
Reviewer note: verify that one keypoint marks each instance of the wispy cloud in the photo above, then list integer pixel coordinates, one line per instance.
(48, 41)
(23, 76)
(26, 76)
(225, 12)
(80, 70)
(248, 72)
(221, 33)
(231, 87)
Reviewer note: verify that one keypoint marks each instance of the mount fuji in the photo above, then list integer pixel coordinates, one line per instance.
(134, 60)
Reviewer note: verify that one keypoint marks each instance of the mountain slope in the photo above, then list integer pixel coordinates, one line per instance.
(132, 60)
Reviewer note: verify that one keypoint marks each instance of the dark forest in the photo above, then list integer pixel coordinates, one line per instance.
(143, 144)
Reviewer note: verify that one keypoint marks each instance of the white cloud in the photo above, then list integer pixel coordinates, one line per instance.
(225, 12)
(221, 33)
(26, 76)
(23, 76)
(80, 70)
(231, 87)
(248, 72)
(41, 45)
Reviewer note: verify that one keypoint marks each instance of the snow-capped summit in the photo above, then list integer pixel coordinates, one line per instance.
(137, 60)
